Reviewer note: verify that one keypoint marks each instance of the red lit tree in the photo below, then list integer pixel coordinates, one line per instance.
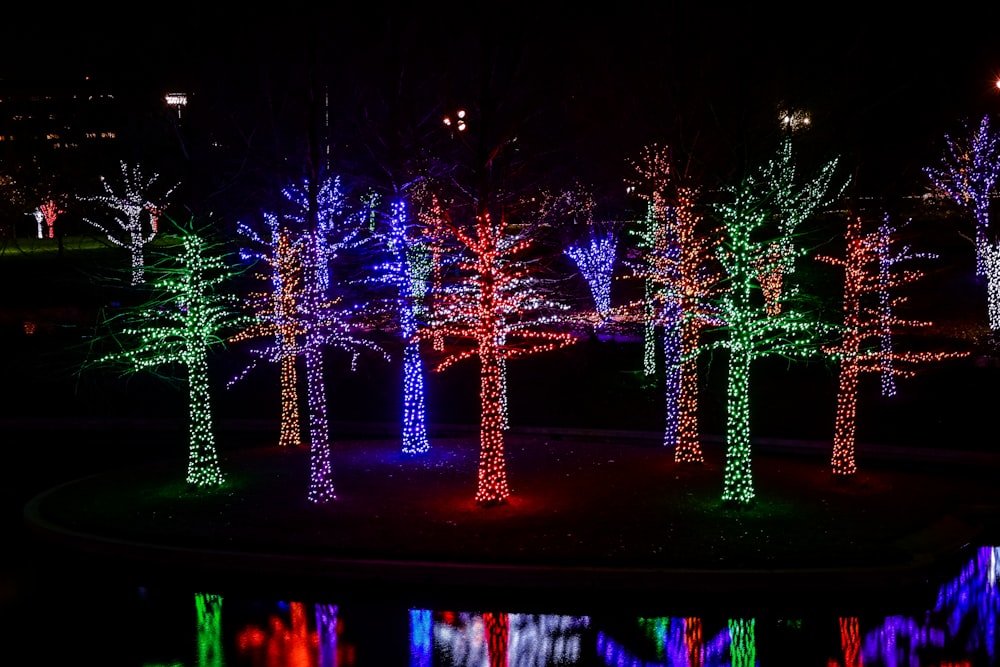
(495, 304)
(869, 321)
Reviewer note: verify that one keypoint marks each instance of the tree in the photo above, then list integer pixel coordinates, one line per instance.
(967, 174)
(185, 318)
(499, 300)
(135, 209)
(751, 324)
(275, 317)
(406, 271)
(870, 320)
(675, 263)
(327, 317)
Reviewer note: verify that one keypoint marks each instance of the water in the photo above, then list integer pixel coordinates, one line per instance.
(109, 620)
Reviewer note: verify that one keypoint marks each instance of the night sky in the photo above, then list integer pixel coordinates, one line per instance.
(596, 84)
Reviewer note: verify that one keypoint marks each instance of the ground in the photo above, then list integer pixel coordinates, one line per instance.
(592, 504)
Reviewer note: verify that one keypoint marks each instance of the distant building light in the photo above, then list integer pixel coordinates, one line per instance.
(176, 101)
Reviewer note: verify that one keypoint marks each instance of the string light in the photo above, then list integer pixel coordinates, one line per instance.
(131, 209)
(180, 325)
(596, 262)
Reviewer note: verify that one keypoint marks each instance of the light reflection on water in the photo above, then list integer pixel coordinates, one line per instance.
(960, 630)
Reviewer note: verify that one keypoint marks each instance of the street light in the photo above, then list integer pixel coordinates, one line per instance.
(459, 120)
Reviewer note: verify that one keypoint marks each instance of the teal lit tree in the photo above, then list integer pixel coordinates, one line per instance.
(755, 324)
(134, 207)
(185, 318)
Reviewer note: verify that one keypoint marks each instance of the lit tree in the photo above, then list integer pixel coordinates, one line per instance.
(328, 319)
(596, 261)
(407, 272)
(870, 319)
(276, 317)
(135, 210)
(45, 215)
(753, 328)
(186, 317)
(676, 265)
(967, 174)
(498, 299)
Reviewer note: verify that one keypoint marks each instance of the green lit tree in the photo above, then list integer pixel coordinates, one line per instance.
(185, 317)
(755, 324)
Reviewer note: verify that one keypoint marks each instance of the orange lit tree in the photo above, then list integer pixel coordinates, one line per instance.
(677, 266)
(870, 320)
(275, 317)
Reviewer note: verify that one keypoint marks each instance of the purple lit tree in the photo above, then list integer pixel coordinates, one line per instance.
(135, 208)
(753, 326)
(967, 174)
(184, 320)
(327, 316)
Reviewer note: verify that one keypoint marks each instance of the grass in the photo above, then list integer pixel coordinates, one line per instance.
(593, 503)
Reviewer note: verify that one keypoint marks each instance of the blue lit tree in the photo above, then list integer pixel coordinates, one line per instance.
(185, 318)
(406, 271)
(967, 174)
(595, 258)
(758, 242)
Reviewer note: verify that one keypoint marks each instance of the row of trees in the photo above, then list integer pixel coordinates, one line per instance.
(453, 272)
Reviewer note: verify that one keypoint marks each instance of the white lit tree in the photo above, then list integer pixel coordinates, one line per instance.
(134, 205)
(186, 317)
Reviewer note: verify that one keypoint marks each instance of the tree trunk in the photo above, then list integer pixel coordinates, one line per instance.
(414, 411)
(290, 435)
(842, 460)
(738, 476)
(203, 459)
(320, 477)
(492, 487)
